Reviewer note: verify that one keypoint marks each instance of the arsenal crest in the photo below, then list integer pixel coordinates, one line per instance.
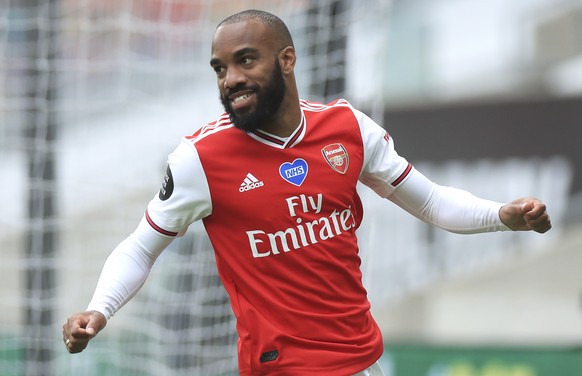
(337, 157)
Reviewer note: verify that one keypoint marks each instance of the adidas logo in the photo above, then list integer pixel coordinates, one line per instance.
(249, 183)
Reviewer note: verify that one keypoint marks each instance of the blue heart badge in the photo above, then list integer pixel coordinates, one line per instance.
(295, 172)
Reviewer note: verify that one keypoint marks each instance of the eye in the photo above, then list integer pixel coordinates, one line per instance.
(247, 60)
(218, 69)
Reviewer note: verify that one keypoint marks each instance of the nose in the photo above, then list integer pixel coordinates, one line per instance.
(233, 78)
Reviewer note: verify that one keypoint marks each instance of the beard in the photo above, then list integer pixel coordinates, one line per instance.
(269, 99)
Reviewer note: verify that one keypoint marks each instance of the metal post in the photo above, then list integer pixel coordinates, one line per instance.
(328, 38)
(40, 135)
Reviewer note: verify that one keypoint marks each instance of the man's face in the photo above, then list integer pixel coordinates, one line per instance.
(250, 80)
(267, 102)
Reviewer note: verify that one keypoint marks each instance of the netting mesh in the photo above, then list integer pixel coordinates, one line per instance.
(93, 97)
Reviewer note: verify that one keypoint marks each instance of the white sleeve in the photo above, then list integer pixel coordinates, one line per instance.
(393, 177)
(452, 209)
(185, 195)
(184, 198)
(127, 268)
(383, 169)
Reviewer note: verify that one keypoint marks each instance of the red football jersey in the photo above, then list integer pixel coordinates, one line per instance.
(282, 216)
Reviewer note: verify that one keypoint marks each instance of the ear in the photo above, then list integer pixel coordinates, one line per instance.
(287, 59)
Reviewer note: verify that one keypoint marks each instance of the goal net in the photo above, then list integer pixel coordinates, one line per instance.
(94, 94)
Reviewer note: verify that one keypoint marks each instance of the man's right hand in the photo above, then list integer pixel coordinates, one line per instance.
(80, 328)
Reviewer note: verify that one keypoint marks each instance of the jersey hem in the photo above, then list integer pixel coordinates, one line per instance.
(306, 371)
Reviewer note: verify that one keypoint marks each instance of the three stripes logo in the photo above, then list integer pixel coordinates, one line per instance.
(249, 183)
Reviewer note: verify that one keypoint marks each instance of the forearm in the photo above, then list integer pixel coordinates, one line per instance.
(452, 209)
(127, 268)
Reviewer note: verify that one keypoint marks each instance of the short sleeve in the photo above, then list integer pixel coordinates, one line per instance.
(383, 169)
(184, 196)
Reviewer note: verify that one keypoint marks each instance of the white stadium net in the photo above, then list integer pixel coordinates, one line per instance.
(94, 95)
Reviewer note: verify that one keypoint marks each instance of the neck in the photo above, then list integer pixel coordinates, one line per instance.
(287, 118)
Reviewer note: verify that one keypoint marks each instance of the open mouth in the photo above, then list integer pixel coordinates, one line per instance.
(241, 99)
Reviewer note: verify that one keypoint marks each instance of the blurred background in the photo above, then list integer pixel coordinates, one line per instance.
(485, 96)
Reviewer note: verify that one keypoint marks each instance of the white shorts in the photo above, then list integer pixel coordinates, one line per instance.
(373, 370)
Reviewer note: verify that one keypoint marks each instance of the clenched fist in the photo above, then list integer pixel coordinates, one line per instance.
(80, 328)
(526, 214)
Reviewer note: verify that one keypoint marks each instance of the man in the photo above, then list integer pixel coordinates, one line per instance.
(274, 181)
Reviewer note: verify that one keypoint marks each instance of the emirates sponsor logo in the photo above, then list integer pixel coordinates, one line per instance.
(304, 233)
(337, 157)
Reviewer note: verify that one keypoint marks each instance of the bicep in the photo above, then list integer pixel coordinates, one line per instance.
(413, 194)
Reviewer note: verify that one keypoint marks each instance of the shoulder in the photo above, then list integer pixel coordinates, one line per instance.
(320, 107)
(211, 130)
(338, 112)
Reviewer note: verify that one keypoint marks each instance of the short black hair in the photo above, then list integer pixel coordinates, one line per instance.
(269, 19)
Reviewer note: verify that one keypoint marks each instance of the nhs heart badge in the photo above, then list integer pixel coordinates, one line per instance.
(295, 172)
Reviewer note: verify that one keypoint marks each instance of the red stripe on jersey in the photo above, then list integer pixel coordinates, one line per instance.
(158, 228)
(284, 143)
(402, 176)
(297, 134)
(267, 137)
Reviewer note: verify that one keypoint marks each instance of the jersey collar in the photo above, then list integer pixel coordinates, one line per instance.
(281, 142)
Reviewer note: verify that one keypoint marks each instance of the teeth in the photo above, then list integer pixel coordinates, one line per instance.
(241, 98)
